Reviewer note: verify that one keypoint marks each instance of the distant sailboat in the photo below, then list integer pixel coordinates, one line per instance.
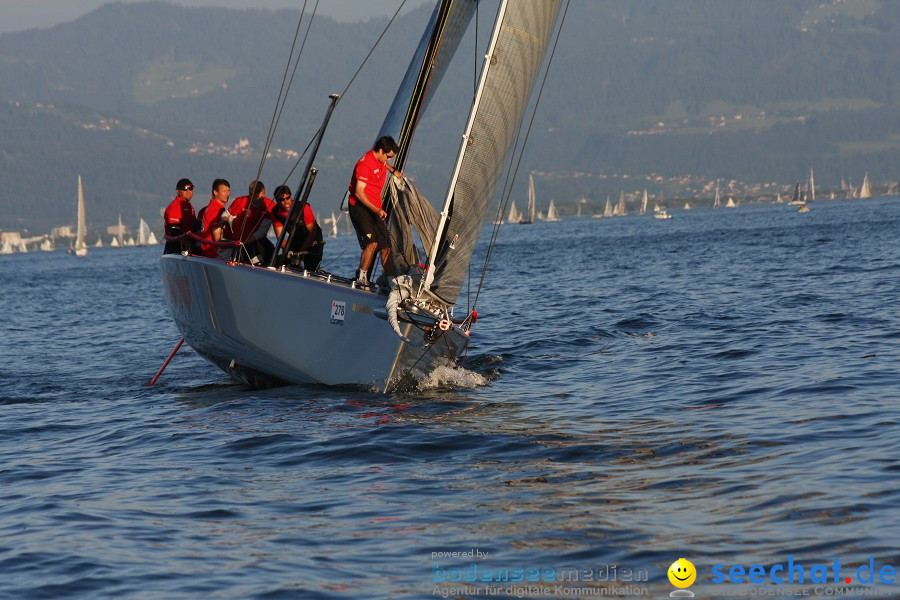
(607, 210)
(687, 206)
(730, 203)
(334, 230)
(6, 248)
(811, 187)
(80, 248)
(778, 198)
(99, 243)
(528, 216)
(620, 206)
(118, 241)
(865, 190)
(552, 215)
(47, 245)
(513, 216)
(143, 234)
(797, 198)
(716, 201)
(129, 242)
(643, 203)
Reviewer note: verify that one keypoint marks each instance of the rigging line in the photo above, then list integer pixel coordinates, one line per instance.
(290, 83)
(279, 105)
(352, 79)
(515, 171)
(282, 91)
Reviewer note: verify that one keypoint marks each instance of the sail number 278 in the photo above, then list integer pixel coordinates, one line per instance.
(338, 310)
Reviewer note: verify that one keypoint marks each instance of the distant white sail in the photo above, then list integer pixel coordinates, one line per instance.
(552, 215)
(143, 233)
(643, 203)
(80, 248)
(865, 190)
(513, 213)
(620, 210)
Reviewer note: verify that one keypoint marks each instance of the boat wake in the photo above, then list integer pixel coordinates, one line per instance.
(456, 377)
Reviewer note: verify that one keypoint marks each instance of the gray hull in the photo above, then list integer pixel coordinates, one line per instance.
(266, 327)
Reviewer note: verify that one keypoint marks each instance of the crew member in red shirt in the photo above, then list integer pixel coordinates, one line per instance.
(366, 213)
(249, 218)
(211, 217)
(307, 243)
(179, 218)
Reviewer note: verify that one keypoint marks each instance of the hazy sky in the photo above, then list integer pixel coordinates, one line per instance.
(16, 15)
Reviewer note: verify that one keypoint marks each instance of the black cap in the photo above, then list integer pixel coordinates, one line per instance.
(183, 184)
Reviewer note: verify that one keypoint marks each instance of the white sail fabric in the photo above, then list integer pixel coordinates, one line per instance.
(516, 54)
(80, 246)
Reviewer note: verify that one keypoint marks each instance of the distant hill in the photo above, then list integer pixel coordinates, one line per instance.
(657, 94)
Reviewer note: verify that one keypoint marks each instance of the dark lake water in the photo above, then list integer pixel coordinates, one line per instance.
(723, 386)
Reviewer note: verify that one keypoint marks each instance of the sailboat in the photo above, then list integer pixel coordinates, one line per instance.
(620, 211)
(797, 198)
(716, 200)
(811, 187)
(865, 190)
(46, 245)
(143, 233)
(333, 331)
(514, 216)
(528, 216)
(334, 229)
(643, 203)
(119, 241)
(687, 206)
(552, 215)
(99, 243)
(730, 203)
(80, 248)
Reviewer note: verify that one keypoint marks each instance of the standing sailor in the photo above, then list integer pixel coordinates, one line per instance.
(366, 213)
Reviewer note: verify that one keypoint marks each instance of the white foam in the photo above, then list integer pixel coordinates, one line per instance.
(443, 376)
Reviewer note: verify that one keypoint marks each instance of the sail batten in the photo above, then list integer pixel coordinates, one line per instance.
(516, 52)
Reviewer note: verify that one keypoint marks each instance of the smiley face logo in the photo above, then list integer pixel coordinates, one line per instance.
(682, 573)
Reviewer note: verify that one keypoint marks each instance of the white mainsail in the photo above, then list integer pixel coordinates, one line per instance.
(552, 215)
(643, 203)
(528, 217)
(865, 190)
(143, 233)
(812, 186)
(620, 210)
(716, 200)
(513, 216)
(80, 248)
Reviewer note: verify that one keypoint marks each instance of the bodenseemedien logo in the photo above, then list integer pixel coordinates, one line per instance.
(682, 574)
